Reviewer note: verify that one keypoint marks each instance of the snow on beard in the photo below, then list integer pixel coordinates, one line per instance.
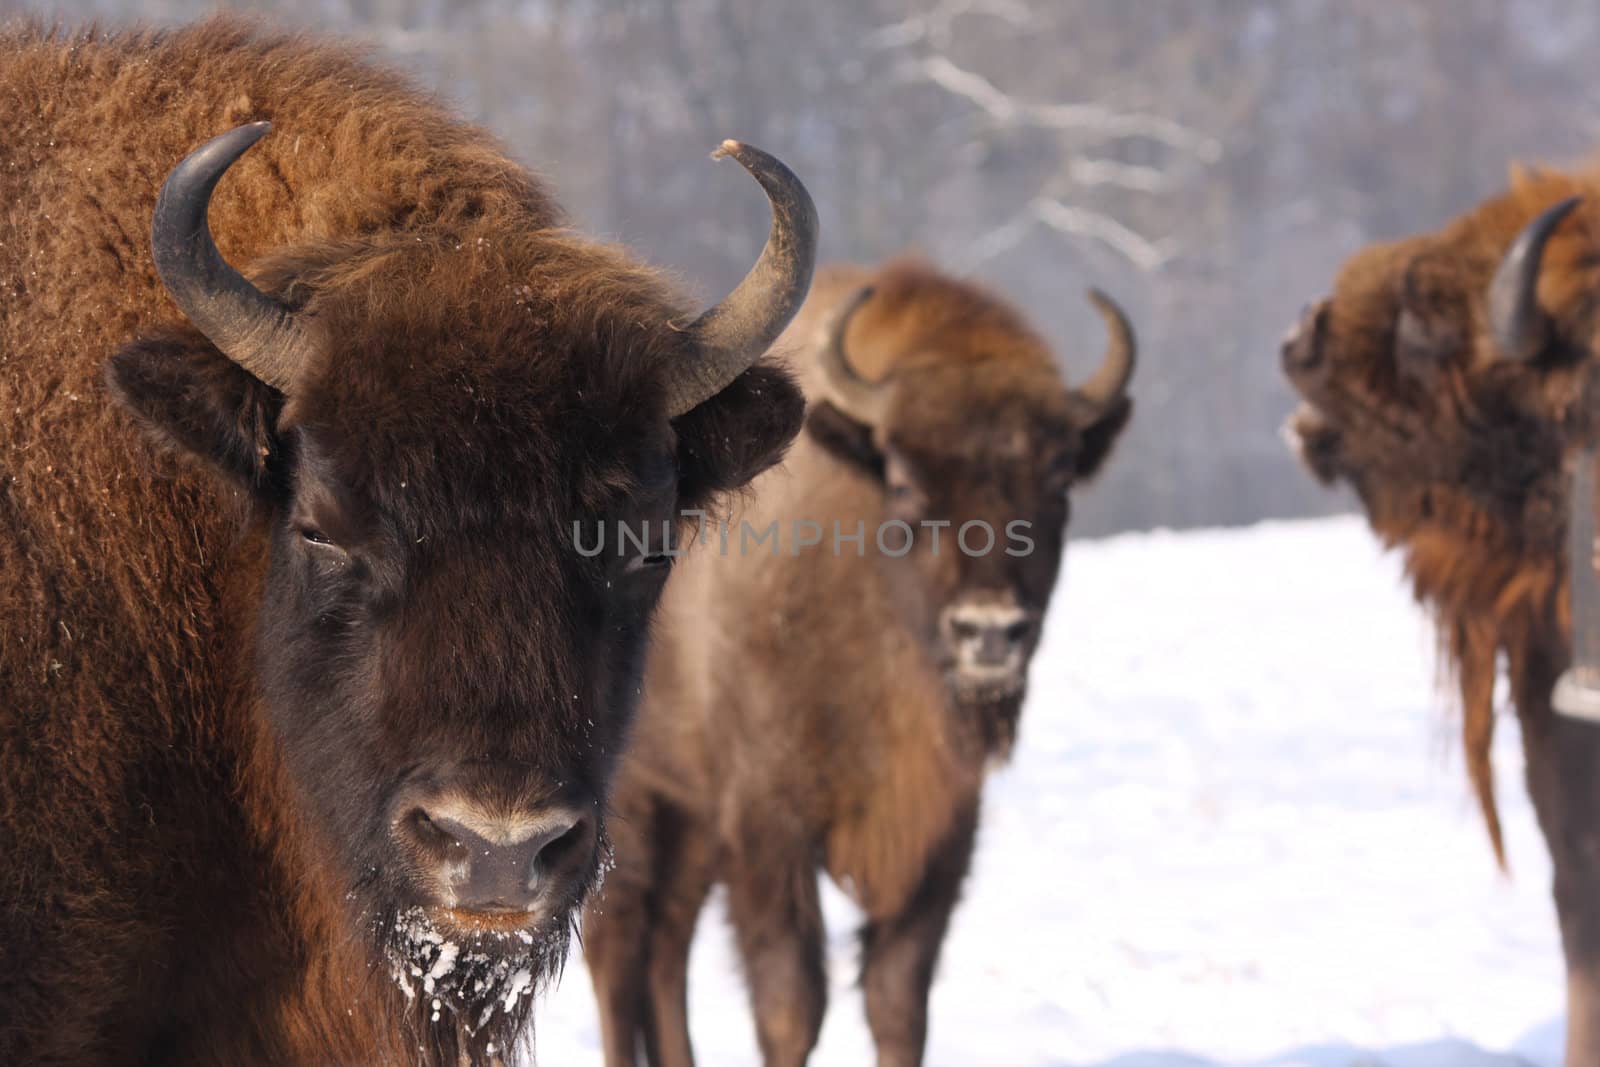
(472, 992)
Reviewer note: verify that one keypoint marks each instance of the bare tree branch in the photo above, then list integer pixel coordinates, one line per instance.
(935, 26)
(1092, 119)
(1131, 176)
(1137, 249)
(1143, 253)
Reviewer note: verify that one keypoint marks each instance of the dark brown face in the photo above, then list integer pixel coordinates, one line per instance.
(450, 682)
(1406, 399)
(977, 493)
(447, 678)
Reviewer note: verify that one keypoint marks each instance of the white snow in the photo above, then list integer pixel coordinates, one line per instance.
(520, 983)
(442, 965)
(1237, 825)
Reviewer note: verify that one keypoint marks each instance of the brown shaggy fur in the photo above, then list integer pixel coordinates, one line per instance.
(189, 870)
(799, 713)
(1459, 457)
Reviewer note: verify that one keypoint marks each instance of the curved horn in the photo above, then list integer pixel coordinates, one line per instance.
(1116, 369)
(249, 327)
(1521, 327)
(862, 400)
(731, 336)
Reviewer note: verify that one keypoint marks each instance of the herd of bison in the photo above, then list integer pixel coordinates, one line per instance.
(323, 732)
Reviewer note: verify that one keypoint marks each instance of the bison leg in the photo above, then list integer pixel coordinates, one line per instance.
(899, 952)
(684, 868)
(1562, 761)
(637, 935)
(1563, 773)
(616, 928)
(777, 921)
(614, 943)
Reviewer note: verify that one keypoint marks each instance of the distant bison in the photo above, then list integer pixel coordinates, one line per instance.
(305, 737)
(1446, 382)
(841, 666)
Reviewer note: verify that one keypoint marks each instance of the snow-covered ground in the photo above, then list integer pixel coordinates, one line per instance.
(1236, 831)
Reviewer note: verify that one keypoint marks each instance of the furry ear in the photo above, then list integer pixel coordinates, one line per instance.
(1100, 435)
(1422, 345)
(737, 434)
(194, 399)
(844, 438)
(1429, 327)
(1520, 176)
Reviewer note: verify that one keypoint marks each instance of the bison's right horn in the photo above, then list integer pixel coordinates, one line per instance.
(1110, 382)
(1521, 327)
(731, 336)
(249, 327)
(864, 401)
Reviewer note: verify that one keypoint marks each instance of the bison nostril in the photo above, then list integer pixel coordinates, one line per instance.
(1300, 354)
(430, 834)
(1017, 632)
(567, 842)
(562, 855)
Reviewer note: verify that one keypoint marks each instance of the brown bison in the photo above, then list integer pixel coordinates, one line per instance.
(834, 696)
(1445, 382)
(308, 705)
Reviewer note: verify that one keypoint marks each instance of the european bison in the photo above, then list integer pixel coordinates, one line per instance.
(1445, 382)
(305, 736)
(832, 697)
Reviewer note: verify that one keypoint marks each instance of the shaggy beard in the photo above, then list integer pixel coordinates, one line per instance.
(991, 713)
(469, 997)
(975, 693)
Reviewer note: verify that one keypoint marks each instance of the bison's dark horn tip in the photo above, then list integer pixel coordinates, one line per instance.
(1521, 327)
(1558, 214)
(247, 135)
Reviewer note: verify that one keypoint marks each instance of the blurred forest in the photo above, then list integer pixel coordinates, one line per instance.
(1208, 162)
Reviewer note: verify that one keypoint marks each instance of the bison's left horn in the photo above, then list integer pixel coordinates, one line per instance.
(731, 336)
(247, 325)
(1521, 327)
(1110, 381)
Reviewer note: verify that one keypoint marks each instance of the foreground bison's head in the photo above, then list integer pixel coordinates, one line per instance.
(975, 443)
(420, 418)
(1444, 381)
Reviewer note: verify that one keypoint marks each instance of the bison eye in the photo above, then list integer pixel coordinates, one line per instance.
(653, 561)
(905, 494)
(314, 536)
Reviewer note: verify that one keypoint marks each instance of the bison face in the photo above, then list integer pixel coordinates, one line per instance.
(1377, 365)
(1439, 411)
(988, 507)
(445, 677)
(975, 464)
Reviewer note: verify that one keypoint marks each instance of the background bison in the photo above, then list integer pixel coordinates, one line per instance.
(1446, 380)
(304, 737)
(838, 705)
